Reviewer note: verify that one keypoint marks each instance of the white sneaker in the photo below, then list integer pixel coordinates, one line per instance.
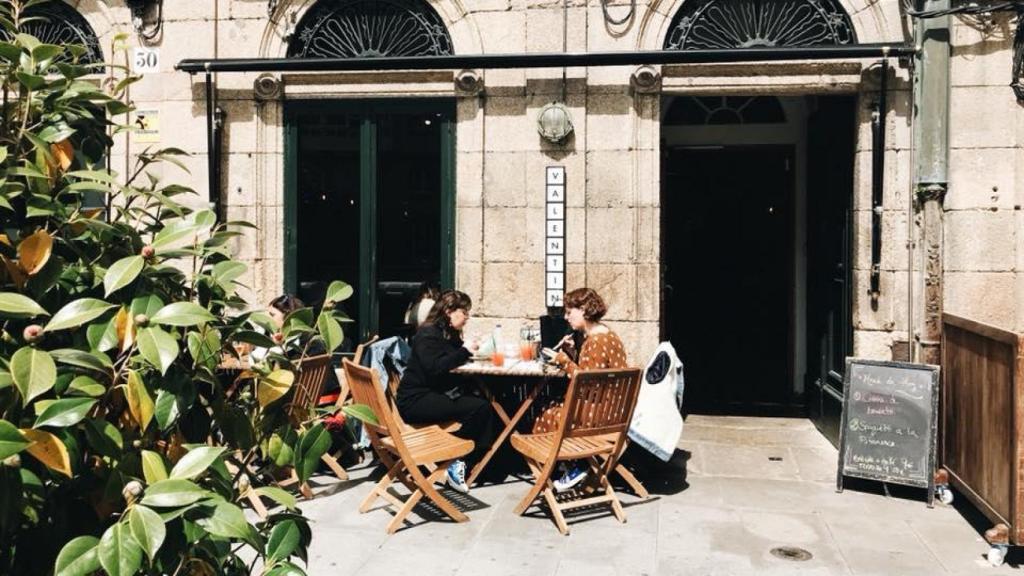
(570, 479)
(457, 476)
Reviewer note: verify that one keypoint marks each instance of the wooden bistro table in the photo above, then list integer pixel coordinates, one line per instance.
(531, 373)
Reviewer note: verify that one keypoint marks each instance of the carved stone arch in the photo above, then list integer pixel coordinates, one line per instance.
(875, 22)
(462, 31)
(62, 24)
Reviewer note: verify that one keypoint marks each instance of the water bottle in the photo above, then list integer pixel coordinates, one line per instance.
(498, 353)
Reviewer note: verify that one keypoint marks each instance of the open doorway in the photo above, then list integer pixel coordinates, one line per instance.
(747, 204)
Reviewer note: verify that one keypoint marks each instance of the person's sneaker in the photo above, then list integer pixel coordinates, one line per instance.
(457, 476)
(573, 476)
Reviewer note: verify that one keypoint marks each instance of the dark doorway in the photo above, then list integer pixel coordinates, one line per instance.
(369, 200)
(728, 255)
(831, 132)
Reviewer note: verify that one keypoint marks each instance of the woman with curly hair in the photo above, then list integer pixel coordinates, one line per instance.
(601, 348)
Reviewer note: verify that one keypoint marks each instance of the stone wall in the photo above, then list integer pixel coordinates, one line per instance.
(984, 243)
(612, 160)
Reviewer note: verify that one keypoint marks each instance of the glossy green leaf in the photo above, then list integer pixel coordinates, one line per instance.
(12, 440)
(158, 348)
(285, 569)
(153, 468)
(330, 331)
(78, 312)
(338, 291)
(196, 461)
(14, 305)
(313, 444)
(79, 557)
(86, 386)
(361, 412)
(103, 336)
(120, 554)
(284, 539)
(173, 492)
(104, 438)
(34, 372)
(224, 273)
(228, 521)
(122, 273)
(174, 234)
(166, 409)
(253, 337)
(148, 530)
(182, 314)
(91, 360)
(140, 402)
(65, 412)
(279, 495)
(148, 304)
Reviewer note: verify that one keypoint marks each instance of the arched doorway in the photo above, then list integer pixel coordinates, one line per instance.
(59, 24)
(756, 199)
(369, 194)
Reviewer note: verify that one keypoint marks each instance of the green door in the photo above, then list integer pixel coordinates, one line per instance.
(369, 199)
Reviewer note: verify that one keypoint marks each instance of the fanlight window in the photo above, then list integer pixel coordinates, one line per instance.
(703, 24)
(370, 28)
(719, 110)
(59, 24)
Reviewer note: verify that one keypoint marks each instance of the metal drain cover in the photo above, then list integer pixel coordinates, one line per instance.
(791, 553)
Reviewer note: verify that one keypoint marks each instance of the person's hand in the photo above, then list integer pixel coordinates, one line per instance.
(566, 344)
(471, 345)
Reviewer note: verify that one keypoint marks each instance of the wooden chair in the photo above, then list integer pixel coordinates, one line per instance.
(404, 452)
(594, 420)
(308, 386)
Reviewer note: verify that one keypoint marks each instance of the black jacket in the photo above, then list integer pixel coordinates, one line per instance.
(433, 358)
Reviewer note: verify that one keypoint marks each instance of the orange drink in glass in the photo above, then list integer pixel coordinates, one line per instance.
(498, 358)
(526, 350)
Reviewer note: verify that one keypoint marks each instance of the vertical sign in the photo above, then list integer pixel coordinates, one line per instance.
(554, 245)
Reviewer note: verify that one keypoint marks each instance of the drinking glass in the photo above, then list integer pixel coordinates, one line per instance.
(498, 357)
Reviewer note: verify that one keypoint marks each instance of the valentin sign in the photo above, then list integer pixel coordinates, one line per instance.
(554, 244)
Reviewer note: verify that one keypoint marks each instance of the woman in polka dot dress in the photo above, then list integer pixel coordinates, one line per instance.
(601, 348)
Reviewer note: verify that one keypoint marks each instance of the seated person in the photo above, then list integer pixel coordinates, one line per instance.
(601, 348)
(429, 393)
(297, 346)
(420, 308)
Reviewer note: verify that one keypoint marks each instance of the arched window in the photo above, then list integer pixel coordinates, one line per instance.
(751, 23)
(60, 24)
(718, 110)
(369, 28)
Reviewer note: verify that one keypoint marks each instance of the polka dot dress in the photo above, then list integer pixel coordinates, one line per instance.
(599, 351)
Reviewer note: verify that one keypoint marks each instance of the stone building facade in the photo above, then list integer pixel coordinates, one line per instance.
(618, 236)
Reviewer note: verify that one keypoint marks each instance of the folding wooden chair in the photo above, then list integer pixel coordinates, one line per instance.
(308, 386)
(403, 452)
(594, 420)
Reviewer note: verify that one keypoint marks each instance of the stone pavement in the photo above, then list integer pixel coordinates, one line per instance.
(737, 488)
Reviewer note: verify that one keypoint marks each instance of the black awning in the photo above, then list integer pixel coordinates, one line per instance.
(547, 60)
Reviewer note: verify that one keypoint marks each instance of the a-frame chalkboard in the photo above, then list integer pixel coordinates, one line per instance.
(890, 418)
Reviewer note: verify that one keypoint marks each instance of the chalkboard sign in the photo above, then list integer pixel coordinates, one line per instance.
(890, 415)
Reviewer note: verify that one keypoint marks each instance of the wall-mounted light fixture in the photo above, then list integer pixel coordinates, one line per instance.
(554, 122)
(147, 18)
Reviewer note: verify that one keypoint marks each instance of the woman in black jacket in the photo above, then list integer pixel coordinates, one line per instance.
(429, 393)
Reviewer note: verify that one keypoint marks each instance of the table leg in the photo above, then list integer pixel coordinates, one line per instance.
(510, 425)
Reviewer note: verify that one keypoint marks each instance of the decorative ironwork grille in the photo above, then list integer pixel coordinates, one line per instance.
(370, 28)
(61, 25)
(718, 110)
(752, 23)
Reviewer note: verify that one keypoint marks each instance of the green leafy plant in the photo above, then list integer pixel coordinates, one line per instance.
(122, 450)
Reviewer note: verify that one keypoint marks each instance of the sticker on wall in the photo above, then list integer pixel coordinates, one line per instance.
(147, 126)
(554, 245)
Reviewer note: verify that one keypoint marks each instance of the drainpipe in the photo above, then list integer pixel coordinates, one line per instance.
(931, 136)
